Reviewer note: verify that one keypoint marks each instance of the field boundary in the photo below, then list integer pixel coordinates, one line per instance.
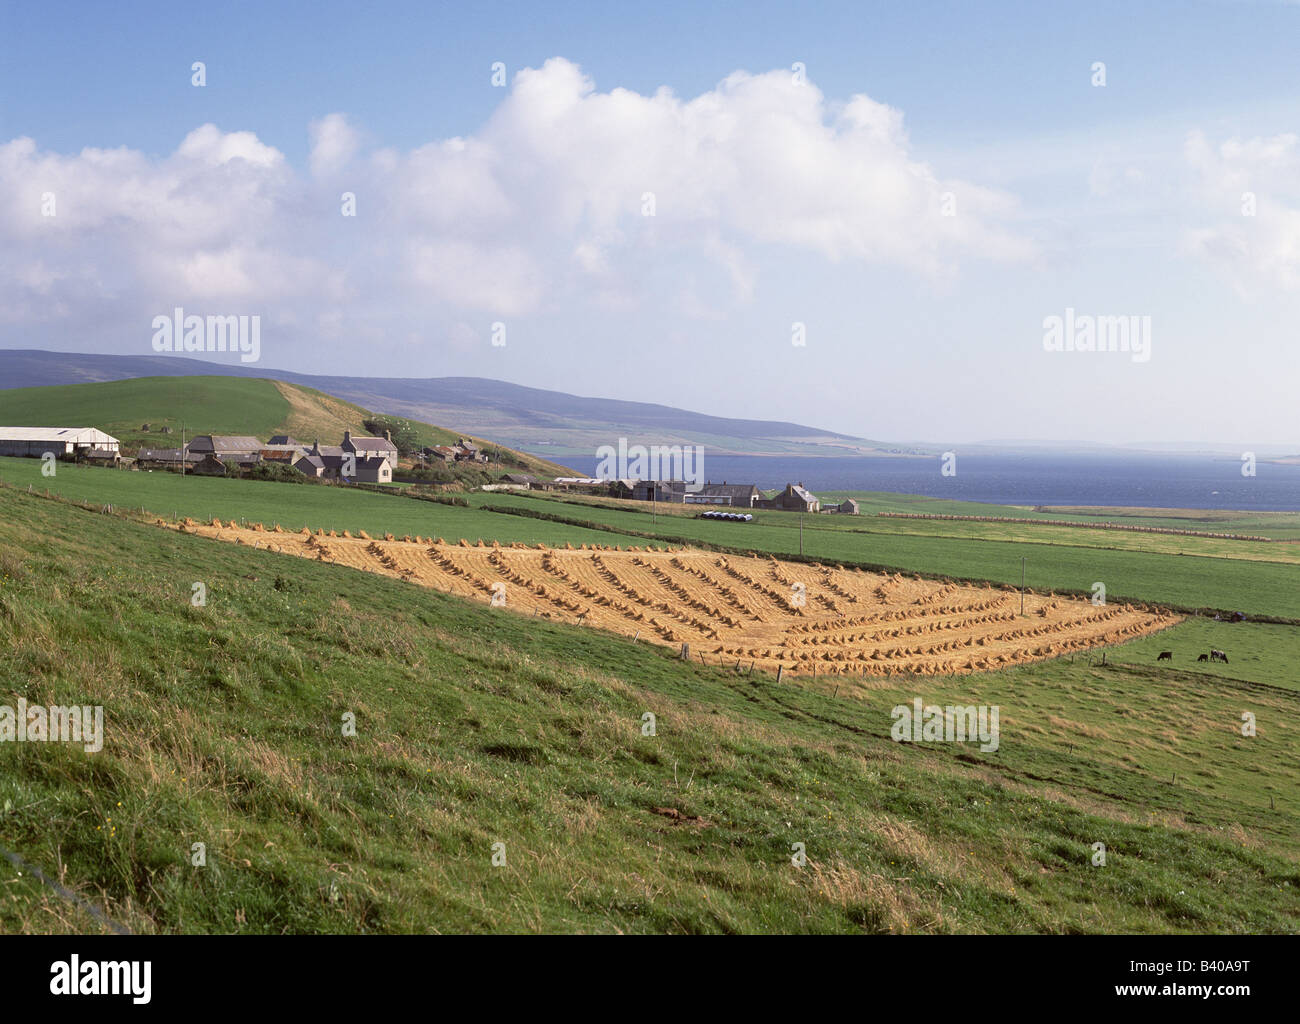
(64, 893)
(1079, 525)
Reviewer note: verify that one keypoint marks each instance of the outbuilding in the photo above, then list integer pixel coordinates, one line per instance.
(34, 442)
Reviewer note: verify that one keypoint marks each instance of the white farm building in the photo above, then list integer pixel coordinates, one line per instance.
(36, 441)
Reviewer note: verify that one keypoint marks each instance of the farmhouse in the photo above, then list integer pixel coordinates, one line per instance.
(328, 462)
(34, 442)
(793, 499)
(369, 447)
(848, 507)
(469, 451)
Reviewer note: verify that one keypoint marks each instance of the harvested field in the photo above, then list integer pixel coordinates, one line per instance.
(748, 610)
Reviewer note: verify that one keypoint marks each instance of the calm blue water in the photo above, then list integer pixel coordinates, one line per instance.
(1181, 481)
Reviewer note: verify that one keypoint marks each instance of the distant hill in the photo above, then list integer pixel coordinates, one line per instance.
(212, 405)
(532, 419)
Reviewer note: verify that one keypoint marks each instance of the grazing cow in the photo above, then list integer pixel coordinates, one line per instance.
(1165, 656)
(1218, 656)
(1203, 657)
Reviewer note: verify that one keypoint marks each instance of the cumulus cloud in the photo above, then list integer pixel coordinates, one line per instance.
(1253, 186)
(334, 142)
(542, 209)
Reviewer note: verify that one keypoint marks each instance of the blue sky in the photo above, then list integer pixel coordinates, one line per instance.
(773, 207)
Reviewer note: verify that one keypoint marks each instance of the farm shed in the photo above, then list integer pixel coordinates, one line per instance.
(310, 465)
(164, 458)
(659, 490)
(223, 445)
(100, 456)
(34, 442)
(735, 495)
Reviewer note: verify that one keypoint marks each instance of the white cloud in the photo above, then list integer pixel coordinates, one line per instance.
(334, 142)
(1254, 251)
(539, 210)
(212, 146)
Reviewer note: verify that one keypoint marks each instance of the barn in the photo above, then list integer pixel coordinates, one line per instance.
(34, 442)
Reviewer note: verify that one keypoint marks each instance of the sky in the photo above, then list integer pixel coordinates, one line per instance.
(878, 218)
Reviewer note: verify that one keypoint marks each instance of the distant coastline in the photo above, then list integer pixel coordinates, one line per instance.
(1129, 481)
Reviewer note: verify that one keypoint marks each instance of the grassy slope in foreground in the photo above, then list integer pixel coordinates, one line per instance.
(478, 726)
(207, 405)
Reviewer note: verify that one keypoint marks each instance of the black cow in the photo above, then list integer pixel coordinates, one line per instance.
(1203, 657)
(1165, 656)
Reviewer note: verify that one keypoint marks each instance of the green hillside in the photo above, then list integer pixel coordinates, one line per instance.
(478, 726)
(210, 405)
(215, 405)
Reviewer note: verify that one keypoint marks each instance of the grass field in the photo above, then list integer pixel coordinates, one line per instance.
(1257, 652)
(475, 728)
(1154, 572)
(1280, 525)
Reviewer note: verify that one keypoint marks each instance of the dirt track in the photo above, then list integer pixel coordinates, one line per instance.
(756, 610)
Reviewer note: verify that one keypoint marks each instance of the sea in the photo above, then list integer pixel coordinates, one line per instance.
(1142, 480)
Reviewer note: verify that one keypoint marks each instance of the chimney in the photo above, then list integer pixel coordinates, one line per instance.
(347, 436)
(388, 436)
